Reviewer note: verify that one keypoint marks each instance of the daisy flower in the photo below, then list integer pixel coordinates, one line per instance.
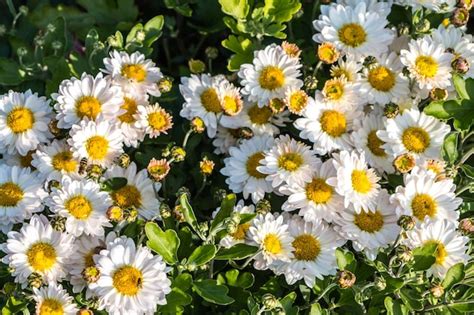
(354, 30)
(229, 98)
(370, 230)
(438, 6)
(133, 72)
(414, 132)
(55, 160)
(288, 162)
(297, 100)
(451, 246)
(224, 139)
(349, 69)
(132, 135)
(316, 199)
(241, 168)
(87, 97)
(314, 252)
(21, 195)
(154, 120)
(355, 181)
(138, 192)
(24, 119)
(38, 248)
(132, 280)
(423, 196)
(53, 299)
(83, 205)
(382, 8)
(240, 235)
(18, 159)
(270, 234)
(270, 75)
(339, 93)
(99, 141)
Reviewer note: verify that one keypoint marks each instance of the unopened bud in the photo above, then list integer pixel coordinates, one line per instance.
(423, 26)
(206, 166)
(58, 223)
(21, 51)
(165, 84)
(211, 52)
(50, 28)
(203, 227)
(53, 184)
(158, 169)
(196, 66)
(114, 213)
(404, 163)
(183, 191)
(178, 213)
(466, 226)
(403, 29)
(84, 311)
(178, 154)
(345, 279)
(438, 94)
(35, 280)
(165, 211)
(197, 125)
(91, 274)
(95, 171)
(123, 160)
(380, 283)
(277, 105)
(460, 65)
(311, 82)
(23, 10)
(292, 50)
(269, 301)
(131, 214)
(328, 53)
(437, 291)
(245, 133)
(391, 110)
(140, 36)
(56, 45)
(460, 17)
(232, 227)
(53, 128)
(219, 195)
(404, 254)
(406, 222)
(114, 41)
(263, 206)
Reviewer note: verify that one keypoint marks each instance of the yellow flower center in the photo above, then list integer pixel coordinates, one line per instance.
(360, 181)
(272, 244)
(423, 205)
(230, 105)
(352, 35)
(10, 194)
(210, 101)
(127, 196)
(135, 72)
(333, 123)
(318, 191)
(415, 139)
(369, 221)
(290, 161)
(20, 119)
(333, 89)
(328, 53)
(338, 72)
(298, 101)
(426, 66)
(51, 306)
(130, 106)
(241, 232)
(128, 280)
(441, 253)
(79, 207)
(158, 120)
(306, 247)
(375, 144)
(41, 256)
(259, 115)
(381, 78)
(271, 78)
(63, 161)
(97, 147)
(88, 106)
(252, 163)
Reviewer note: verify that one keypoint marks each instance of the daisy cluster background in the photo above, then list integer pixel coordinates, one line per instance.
(329, 172)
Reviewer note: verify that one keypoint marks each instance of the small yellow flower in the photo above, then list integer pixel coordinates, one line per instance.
(206, 166)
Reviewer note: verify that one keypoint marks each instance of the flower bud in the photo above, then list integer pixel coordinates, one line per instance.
(53, 127)
(404, 254)
(404, 163)
(466, 4)
(21, 51)
(53, 184)
(206, 166)
(423, 26)
(438, 94)
(114, 42)
(82, 166)
(391, 110)
(23, 9)
(58, 223)
(328, 53)
(460, 65)
(460, 17)
(50, 28)
(158, 169)
(269, 301)
(403, 29)
(84, 311)
(292, 50)
(406, 222)
(211, 52)
(183, 190)
(165, 211)
(263, 206)
(123, 160)
(94, 171)
(140, 36)
(437, 291)
(131, 214)
(219, 195)
(311, 82)
(178, 213)
(196, 66)
(232, 227)
(114, 213)
(197, 125)
(165, 84)
(245, 133)
(178, 153)
(277, 105)
(203, 227)
(35, 280)
(91, 274)
(56, 45)
(466, 226)
(380, 283)
(345, 279)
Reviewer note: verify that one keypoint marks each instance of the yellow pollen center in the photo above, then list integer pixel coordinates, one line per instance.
(423, 205)
(63, 161)
(360, 181)
(51, 307)
(79, 207)
(426, 66)
(290, 161)
(375, 144)
(230, 105)
(441, 253)
(41, 256)
(318, 191)
(259, 115)
(272, 244)
(306, 247)
(252, 163)
(210, 101)
(298, 101)
(369, 221)
(241, 232)
(134, 72)
(127, 196)
(381, 78)
(130, 106)
(128, 280)
(97, 147)
(333, 123)
(88, 106)
(352, 35)
(10, 194)
(271, 78)
(158, 120)
(415, 139)
(20, 119)
(333, 89)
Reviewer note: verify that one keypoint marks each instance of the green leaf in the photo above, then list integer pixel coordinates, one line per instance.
(424, 256)
(189, 215)
(202, 255)
(412, 299)
(183, 281)
(345, 260)
(114, 183)
(59, 70)
(179, 6)
(131, 37)
(243, 49)
(281, 10)
(460, 86)
(462, 111)
(454, 275)
(394, 307)
(236, 279)
(468, 170)
(153, 30)
(175, 300)
(212, 292)
(450, 148)
(287, 303)
(236, 252)
(236, 8)
(227, 206)
(10, 72)
(165, 243)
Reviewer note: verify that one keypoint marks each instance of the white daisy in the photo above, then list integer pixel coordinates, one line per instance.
(414, 132)
(153, 120)
(87, 97)
(272, 237)
(132, 135)
(132, 281)
(370, 230)
(382, 8)
(340, 93)
(240, 235)
(224, 139)
(18, 159)
(21, 195)
(99, 141)
(349, 69)
(24, 119)
(55, 160)
(38, 248)
(439, 6)
(138, 192)
(53, 299)
(241, 168)
(270, 75)
(133, 72)
(316, 199)
(355, 181)
(451, 246)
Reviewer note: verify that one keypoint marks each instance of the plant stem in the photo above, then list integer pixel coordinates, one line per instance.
(434, 307)
(186, 138)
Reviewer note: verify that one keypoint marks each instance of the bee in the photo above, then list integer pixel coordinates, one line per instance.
(82, 166)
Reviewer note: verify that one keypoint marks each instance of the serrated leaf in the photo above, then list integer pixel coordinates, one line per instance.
(454, 275)
(202, 255)
(236, 252)
(212, 292)
(165, 243)
(236, 8)
(227, 206)
(281, 10)
(243, 49)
